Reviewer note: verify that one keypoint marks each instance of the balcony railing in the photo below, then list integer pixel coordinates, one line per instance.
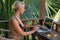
(55, 26)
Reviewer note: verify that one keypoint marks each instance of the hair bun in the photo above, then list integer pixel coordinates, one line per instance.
(17, 4)
(13, 7)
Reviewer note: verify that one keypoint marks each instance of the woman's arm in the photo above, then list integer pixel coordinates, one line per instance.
(27, 26)
(17, 28)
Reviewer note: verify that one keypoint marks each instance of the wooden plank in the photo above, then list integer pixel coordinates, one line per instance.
(3, 21)
(31, 19)
(6, 39)
(56, 23)
(5, 30)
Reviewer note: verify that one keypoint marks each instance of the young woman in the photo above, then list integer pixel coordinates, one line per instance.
(16, 23)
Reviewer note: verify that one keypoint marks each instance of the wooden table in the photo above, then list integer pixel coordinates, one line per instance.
(44, 36)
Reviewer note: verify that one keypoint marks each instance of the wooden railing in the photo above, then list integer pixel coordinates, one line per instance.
(5, 30)
(6, 27)
(55, 26)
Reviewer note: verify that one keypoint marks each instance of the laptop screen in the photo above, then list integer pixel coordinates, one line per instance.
(48, 22)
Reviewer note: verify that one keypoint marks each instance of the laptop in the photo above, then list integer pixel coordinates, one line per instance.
(46, 25)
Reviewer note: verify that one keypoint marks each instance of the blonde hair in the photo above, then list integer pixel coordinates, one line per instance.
(17, 4)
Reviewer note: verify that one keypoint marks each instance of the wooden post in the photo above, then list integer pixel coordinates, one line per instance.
(33, 36)
(6, 27)
(42, 11)
(24, 38)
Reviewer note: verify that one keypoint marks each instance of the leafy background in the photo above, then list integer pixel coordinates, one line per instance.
(32, 8)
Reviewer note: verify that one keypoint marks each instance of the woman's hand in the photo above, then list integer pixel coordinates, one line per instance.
(35, 28)
(26, 26)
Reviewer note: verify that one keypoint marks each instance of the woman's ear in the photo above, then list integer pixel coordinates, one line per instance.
(19, 9)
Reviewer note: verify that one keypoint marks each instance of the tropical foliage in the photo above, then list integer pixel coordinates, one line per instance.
(32, 8)
(52, 7)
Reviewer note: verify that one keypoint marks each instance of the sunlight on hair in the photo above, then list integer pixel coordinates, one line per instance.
(13, 6)
(17, 4)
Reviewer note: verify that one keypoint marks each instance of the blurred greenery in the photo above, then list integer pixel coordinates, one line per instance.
(32, 9)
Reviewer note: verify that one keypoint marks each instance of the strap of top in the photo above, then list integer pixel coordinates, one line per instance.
(18, 21)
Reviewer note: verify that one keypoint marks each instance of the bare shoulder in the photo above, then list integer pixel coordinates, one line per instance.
(13, 20)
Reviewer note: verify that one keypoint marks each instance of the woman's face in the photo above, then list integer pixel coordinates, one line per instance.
(22, 9)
